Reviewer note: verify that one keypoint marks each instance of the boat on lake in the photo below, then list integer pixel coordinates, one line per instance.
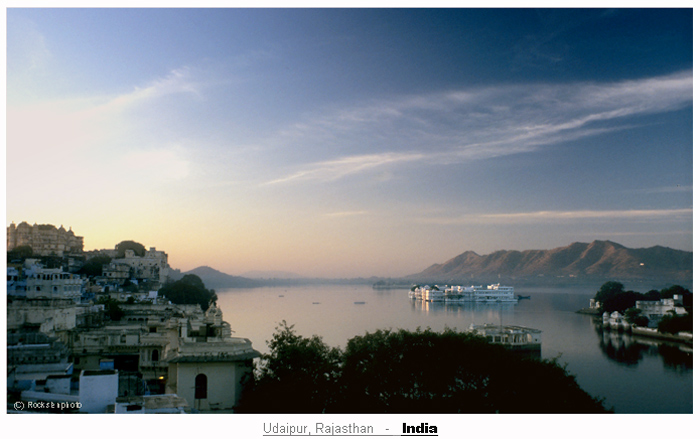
(495, 293)
(518, 338)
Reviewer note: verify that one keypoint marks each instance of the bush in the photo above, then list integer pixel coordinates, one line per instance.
(189, 290)
(673, 324)
(409, 372)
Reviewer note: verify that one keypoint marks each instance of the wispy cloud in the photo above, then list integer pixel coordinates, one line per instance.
(560, 216)
(335, 169)
(472, 124)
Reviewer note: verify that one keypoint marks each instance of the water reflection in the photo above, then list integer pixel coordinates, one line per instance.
(486, 312)
(630, 350)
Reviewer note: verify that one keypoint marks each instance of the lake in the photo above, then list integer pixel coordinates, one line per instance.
(633, 374)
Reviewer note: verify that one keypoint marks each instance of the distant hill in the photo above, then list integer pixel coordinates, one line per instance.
(597, 260)
(214, 279)
(257, 274)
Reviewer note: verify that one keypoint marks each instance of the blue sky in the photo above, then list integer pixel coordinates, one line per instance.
(351, 142)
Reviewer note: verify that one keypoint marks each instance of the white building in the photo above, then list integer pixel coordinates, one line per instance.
(655, 310)
(52, 283)
(208, 367)
(153, 265)
(98, 390)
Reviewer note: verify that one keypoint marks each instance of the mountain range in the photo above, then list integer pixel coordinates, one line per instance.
(586, 261)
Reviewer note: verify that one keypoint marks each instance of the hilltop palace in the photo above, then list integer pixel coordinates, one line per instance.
(44, 239)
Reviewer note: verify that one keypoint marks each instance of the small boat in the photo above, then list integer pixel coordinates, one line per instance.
(359, 303)
(315, 303)
(523, 297)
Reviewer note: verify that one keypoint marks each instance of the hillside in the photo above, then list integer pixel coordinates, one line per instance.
(597, 260)
(215, 279)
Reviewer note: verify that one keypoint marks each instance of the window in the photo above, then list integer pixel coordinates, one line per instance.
(154, 355)
(200, 386)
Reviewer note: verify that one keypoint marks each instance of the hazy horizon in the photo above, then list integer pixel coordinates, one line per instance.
(348, 143)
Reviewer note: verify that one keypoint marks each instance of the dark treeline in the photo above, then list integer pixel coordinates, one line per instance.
(408, 372)
(613, 297)
(189, 290)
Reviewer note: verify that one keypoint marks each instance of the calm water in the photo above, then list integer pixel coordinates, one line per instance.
(634, 375)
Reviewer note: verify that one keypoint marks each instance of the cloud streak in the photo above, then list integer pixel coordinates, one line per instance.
(336, 169)
(474, 124)
(550, 216)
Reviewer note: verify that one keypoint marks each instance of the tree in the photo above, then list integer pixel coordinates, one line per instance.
(634, 316)
(21, 252)
(613, 297)
(430, 372)
(112, 309)
(299, 375)
(189, 290)
(668, 293)
(409, 372)
(93, 266)
(608, 290)
(138, 248)
(673, 323)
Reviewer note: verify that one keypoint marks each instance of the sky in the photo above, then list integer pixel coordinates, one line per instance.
(350, 142)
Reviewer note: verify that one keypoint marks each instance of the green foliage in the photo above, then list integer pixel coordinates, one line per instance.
(409, 372)
(299, 375)
(138, 248)
(613, 297)
(112, 309)
(668, 293)
(130, 287)
(652, 295)
(673, 323)
(21, 252)
(607, 292)
(93, 266)
(634, 316)
(189, 290)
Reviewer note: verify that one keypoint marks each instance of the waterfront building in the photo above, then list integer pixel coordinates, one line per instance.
(513, 337)
(458, 293)
(655, 310)
(44, 239)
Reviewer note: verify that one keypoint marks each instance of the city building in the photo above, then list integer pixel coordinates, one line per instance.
(152, 266)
